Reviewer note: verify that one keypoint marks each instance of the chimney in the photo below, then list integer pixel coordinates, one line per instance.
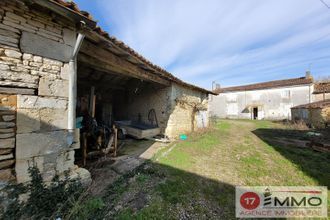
(308, 75)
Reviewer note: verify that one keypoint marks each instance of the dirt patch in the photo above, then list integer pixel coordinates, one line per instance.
(105, 171)
(133, 191)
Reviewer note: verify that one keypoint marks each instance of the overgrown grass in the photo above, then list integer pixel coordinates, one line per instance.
(196, 178)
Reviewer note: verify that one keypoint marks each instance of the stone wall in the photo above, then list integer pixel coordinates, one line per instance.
(29, 42)
(321, 97)
(25, 70)
(315, 117)
(7, 136)
(186, 103)
(326, 116)
(319, 118)
(174, 107)
(300, 114)
(135, 105)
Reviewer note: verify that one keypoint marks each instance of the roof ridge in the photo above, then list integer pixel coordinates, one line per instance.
(317, 104)
(278, 80)
(268, 84)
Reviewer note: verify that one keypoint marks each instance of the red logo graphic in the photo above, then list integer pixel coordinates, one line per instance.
(250, 200)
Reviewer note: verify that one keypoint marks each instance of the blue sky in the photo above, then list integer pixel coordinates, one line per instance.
(232, 42)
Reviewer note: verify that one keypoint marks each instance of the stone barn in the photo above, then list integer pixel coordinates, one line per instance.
(267, 100)
(321, 91)
(56, 67)
(315, 114)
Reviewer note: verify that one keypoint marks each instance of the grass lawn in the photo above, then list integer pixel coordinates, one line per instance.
(196, 178)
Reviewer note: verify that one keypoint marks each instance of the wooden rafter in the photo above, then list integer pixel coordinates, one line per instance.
(104, 59)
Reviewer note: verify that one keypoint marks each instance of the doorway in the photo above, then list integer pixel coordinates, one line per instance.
(255, 113)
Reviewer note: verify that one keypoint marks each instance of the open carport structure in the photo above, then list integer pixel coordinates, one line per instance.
(60, 72)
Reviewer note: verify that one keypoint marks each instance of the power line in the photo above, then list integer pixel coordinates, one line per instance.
(326, 5)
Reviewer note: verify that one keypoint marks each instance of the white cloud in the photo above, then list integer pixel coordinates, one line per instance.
(233, 42)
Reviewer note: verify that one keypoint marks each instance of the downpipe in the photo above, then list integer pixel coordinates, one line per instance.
(73, 88)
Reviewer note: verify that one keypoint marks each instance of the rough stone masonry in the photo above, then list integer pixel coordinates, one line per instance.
(33, 118)
(35, 47)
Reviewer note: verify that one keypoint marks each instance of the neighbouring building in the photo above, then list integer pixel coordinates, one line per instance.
(55, 61)
(321, 91)
(315, 114)
(267, 100)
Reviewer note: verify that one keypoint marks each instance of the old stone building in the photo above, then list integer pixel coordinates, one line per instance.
(53, 58)
(315, 114)
(268, 100)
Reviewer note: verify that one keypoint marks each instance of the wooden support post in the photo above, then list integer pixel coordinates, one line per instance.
(93, 108)
(115, 140)
(84, 148)
(92, 102)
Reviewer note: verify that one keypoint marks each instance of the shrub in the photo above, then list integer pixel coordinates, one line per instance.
(43, 201)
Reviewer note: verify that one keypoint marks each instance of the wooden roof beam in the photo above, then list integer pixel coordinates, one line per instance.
(99, 57)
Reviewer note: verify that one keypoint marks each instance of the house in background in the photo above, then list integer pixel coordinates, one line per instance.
(267, 100)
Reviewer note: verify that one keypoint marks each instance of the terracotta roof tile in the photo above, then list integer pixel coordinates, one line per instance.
(319, 104)
(323, 87)
(267, 85)
(74, 7)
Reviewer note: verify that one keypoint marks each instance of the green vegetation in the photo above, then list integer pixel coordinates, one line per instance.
(196, 178)
(43, 202)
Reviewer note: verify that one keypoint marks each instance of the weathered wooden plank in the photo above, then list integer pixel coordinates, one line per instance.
(108, 60)
(9, 90)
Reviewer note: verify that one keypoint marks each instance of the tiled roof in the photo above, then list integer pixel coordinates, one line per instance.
(75, 9)
(267, 85)
(323, 87)
(319, 104)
